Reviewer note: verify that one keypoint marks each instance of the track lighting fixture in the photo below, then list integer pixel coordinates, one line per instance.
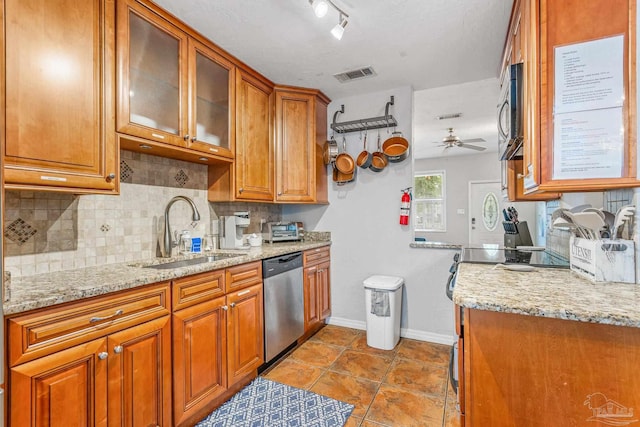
(321, 7)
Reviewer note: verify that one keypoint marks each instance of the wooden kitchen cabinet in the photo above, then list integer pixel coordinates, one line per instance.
(300, 129)
(537, 27)
(521, 46)
(317, 288)
(605, 18)
(66, 388)
(174, 89)
(254, 163)
(245, 333)
(139, 375)
(199, 358)
(57, 92)
(103, 362)
(217, 338)
(534, 371)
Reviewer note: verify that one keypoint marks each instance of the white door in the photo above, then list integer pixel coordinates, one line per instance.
(485, 214)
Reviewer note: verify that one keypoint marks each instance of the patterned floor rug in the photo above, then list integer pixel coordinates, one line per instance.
(265, 403)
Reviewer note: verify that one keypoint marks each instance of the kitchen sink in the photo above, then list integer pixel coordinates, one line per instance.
(192, 261)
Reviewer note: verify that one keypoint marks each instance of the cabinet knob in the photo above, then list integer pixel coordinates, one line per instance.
(279, 193)
(233, 304)
(117, 349)
(194, 139)
(103, 355)
(186, 137)
(225, 308)
(111, 177)
(241, 190)
(521, 176)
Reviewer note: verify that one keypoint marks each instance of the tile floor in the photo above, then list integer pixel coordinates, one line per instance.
(406, 386)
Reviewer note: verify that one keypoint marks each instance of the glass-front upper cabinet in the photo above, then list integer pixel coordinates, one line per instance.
(172, 89)
(211, 100)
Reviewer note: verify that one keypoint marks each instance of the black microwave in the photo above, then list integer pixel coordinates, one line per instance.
(510, 126)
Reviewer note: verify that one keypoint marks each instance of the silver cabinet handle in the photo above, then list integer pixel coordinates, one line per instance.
(233, 304)
(103, 355)
(99, 319)
(243, 293)
(111, 177)
(225, 308)
(117, 349)
(194, 139)
(186, 137)
(241, 190)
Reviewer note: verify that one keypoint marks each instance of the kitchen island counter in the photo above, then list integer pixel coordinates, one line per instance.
(547, 292)
(44, 290)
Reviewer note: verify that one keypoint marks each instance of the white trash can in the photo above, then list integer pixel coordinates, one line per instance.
(383, 303)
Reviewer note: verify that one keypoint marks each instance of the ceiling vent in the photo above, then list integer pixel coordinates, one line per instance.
(360, 73)
(449, 116)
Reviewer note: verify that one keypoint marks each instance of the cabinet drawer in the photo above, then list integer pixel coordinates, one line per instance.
(46, 331)
(315, 256)
(244, 275)
(192, 290)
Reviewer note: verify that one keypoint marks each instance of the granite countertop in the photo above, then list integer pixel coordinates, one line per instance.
(547, 292)
(44, 290)
(435, 245)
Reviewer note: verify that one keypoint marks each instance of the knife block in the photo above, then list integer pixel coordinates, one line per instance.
(516, 234)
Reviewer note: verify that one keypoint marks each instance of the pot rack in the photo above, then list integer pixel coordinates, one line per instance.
(364, 124)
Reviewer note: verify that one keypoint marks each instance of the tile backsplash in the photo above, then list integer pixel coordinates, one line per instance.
(47, 232)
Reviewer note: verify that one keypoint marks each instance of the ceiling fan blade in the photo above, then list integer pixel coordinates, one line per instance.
(473, 147)
(473, 140)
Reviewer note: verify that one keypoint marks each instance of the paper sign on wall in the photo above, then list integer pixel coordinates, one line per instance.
(588, 110)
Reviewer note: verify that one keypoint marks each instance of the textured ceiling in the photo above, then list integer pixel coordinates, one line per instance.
(419, 43)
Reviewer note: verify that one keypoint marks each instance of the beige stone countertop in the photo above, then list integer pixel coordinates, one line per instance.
(44, 290)
(435, 245)
(547, 292)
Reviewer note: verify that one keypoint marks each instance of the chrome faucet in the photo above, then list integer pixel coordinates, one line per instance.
(167, 243)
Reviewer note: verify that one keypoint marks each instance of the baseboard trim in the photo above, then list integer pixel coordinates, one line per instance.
(405, 333)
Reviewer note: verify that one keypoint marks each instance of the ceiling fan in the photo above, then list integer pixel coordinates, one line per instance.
(452, 140)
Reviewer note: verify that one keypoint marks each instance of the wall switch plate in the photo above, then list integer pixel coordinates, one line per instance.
(460, 211)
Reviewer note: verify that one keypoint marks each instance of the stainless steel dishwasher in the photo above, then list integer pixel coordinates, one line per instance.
(283, 303)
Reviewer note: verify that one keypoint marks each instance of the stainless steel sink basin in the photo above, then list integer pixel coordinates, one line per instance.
(192, 261)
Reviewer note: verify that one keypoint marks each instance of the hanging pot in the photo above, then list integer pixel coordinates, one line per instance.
(396, 148)
(343, 178)
(344, 162)
(378, 159)
(364, 158)
(330, 151)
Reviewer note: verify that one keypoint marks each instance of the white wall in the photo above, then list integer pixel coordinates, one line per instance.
(459, 170)
(367, 238)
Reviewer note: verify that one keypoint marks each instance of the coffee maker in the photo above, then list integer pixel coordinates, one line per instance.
(232, 228)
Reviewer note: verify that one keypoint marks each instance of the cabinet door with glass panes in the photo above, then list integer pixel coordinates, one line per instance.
(429, 202)
(172, 88)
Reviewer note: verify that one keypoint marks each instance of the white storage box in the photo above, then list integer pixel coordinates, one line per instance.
(383, 304)
(603, 260)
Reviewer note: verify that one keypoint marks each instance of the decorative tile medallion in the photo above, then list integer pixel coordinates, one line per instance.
(19, 231)
(126, 173)
(181, 178)
(105, 227)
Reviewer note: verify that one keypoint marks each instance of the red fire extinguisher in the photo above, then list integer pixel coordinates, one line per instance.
(405, 206)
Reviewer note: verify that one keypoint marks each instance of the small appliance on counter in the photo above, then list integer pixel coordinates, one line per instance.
(232, 228)
(283, 231)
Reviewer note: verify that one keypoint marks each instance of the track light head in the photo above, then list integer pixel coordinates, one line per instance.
(338, 30)
(320, 7)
